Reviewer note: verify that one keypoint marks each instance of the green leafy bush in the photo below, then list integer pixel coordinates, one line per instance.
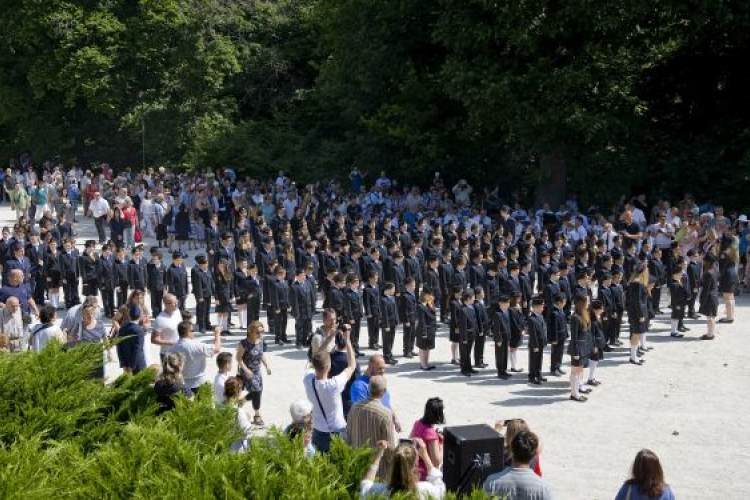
(65, 434)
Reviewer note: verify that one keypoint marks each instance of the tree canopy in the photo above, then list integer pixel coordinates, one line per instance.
(536, 95)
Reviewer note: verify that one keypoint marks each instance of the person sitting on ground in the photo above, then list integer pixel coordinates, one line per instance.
(170, 383)
(404, 474)
(519, 482)
(233, 397)
(647, 481)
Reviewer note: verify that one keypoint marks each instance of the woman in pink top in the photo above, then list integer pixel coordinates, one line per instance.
(424, 429)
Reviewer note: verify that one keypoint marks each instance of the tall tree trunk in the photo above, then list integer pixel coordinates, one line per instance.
(552, 185)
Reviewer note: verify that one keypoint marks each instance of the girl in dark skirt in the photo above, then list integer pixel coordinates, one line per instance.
(599, 341)
(426, 326)
(709, 295)
(223, 290)
(517, 325)
(455, 308)
(579, 347)
(728, 276)
(637, 306)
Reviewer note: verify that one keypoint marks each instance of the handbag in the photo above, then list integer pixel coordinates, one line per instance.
(138, 237)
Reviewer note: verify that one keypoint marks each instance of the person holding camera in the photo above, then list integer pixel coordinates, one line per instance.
(324, 392)
(404, 475)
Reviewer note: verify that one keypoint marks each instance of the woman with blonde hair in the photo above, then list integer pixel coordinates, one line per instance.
(250, 355)
(404, 473)
(637, 307)
(170, 383)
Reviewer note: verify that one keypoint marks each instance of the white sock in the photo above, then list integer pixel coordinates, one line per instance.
(634, 353)
(675, 323)
(592, 369)
(643, 340)
(243, 319)
(574, 385)
(513, 360)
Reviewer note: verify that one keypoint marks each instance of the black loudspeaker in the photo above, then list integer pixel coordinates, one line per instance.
(470, 454)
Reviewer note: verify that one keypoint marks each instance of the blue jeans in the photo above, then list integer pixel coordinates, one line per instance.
(322, 440)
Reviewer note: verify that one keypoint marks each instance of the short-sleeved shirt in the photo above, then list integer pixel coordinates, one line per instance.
(361, 391)
(21, 292)
(426, 433)
(167, 325)
(519, 484)
(195, 353)
(329, 396)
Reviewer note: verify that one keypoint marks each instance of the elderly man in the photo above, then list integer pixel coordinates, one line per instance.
(99, 209)
(12, 329)
(370, 421)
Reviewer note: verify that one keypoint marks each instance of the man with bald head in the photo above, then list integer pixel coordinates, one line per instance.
(12, 329)
(15, 287)
(370, 421)
(361, 387)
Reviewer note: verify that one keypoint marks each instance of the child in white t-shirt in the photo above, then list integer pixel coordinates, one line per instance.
(224, 363)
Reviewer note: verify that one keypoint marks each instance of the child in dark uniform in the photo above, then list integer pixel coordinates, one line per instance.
(455, 306)
(597, 332)
(517, 325)
(579, 347)
(678, 300)
(537, 340)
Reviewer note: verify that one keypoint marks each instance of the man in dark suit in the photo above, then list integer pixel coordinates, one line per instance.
(203, 289)
(36, 251)
(445, 271)
(70, 272)
(557, 332)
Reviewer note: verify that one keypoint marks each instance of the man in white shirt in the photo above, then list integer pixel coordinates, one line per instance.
(662, 233)
(325, 393)
(99, 209)
(290, 205)
(195, 353)
(166, 324)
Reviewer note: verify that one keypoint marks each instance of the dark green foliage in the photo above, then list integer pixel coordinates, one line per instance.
(64, 434)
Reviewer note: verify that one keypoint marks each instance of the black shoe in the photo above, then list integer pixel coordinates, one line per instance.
(372, 347)
(543, 379)
(358, 354)
(676, 335)
(725, 320)
(580, 399)
(413, 353)
(454, 362)
(535, 381)
(278, 342)
(516, 370)
(707, 337)
(608, 348)
(408, 355)
(683, 329)
(633, 362)
(480, 365)
(504, 375)
(618, 343)
(659, 311)
(391, 361)
(377, 346)
(594, 383)
(584, 390)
